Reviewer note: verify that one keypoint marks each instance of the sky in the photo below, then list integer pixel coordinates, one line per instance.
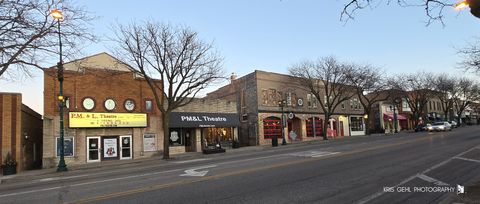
(272, 35)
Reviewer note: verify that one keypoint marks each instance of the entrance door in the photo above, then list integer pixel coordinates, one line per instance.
(93, 149)
(126, 147)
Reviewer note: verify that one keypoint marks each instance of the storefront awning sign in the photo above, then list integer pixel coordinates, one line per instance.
(104, 120)
(189, 120)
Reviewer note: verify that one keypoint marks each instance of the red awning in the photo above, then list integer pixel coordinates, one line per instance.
(387, 116)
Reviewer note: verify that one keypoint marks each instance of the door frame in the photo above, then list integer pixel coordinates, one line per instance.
(121, 148)
(99, 141)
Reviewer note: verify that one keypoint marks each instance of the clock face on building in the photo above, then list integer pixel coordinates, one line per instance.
(129, 105)
(109, 104)
(88, 103)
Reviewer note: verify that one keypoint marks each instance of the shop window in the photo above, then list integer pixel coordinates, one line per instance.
(314, 127)
(272, 127)
(214, 136)
(356, 123)
(175, 137)
(68, 144)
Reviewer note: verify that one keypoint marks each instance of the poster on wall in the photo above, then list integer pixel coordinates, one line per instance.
(67, 146)
(149, 143)
(110, 148)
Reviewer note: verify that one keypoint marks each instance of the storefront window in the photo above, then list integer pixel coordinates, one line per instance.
(356, 123)
(222, 136)
(272, 127)
(68, 143)
(316, 125)
(176, 138)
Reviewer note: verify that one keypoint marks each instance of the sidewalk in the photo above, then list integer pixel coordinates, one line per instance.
(122, 164)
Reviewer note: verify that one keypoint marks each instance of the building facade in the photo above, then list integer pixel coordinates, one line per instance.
(204, 123)
(109, 113)
(20, 132)
(258, 95)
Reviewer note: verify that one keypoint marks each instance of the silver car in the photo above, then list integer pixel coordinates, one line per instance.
(440, 126)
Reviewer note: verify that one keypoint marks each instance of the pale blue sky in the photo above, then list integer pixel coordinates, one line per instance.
(271, 35)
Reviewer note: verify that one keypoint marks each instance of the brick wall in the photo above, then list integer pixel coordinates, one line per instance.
(10, 127)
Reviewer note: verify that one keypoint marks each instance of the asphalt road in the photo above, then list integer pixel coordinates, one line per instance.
(403, 168)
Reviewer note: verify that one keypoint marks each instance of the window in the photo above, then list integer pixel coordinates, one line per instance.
(243, 104)
(309, 100)
(68, 144)
(404, 104)
(343, 105)
(67, 102)
(272, 127)
(176, 138)
(314, 101)
(430, 104)
(314, 125)
(438, 106)
(356, 123)
(148, 105)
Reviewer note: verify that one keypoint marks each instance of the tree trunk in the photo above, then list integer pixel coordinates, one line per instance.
(367, 124)
(326, 122)
(166, 135)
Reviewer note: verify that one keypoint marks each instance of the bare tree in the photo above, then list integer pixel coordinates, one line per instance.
(326, 80)
(176, 56)
(29, 35)
(468, 92)
(369, 85)
(444, 85)
(416, 88)
(433, 8)
(471, 57)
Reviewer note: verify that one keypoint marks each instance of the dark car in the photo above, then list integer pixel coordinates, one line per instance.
(420, 127)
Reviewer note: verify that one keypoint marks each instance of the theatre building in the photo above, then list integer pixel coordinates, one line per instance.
(109, 113)
(204, 124)
(258, 95)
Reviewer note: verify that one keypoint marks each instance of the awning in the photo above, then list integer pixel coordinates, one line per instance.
(387, 116)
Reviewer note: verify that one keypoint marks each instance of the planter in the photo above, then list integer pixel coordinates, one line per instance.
(9, 170)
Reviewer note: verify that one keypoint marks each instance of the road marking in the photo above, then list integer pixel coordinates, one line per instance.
(380, 193)
(190, 161)
(431, 180)
(311, 154)
(32, 191)
(467, 159)
(194, 172)
(59, 178)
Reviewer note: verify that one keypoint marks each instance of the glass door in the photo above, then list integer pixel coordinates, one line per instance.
(93, 149)
(126, 147)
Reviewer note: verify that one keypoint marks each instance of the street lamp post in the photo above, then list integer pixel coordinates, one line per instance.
(282, 105)
(58, 15)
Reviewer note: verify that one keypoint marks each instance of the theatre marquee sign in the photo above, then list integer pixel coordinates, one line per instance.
(204, 120)
(102, 120)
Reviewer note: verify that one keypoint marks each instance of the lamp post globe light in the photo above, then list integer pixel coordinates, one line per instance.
(282, 104)
(58, 15)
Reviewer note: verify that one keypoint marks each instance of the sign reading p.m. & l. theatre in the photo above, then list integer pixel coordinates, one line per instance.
(186, 119)
(102, 120)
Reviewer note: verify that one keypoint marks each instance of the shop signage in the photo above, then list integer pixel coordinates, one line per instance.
(149, 143)
(100, 120)
(203, 119)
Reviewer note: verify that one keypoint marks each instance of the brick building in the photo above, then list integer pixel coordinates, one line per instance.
(257, 95)
(109, 113)
(20, 132)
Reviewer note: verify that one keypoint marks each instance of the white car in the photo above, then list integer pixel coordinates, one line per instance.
(440, 126)
(454, 124)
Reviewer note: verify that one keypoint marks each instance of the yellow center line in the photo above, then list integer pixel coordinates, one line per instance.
(245, 171)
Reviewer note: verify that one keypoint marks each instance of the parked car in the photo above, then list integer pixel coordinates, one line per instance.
(440, 126)
(421, 127)
(454, 124)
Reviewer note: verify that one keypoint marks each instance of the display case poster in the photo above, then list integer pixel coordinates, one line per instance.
(110, 148)
(149, 143)
(68, 147)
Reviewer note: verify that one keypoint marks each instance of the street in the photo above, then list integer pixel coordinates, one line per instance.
(403, 168)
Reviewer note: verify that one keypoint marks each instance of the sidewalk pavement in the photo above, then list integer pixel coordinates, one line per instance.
(76, 169)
